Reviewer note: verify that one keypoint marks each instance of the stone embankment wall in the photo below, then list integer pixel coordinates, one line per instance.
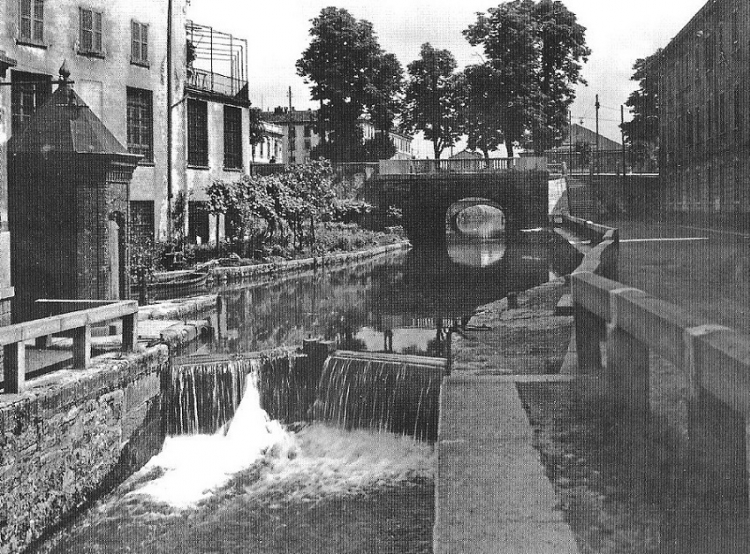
(72, 434)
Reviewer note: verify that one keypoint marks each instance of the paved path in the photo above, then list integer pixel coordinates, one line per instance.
(492, 494)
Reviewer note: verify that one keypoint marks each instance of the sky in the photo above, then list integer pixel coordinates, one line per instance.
(277, 31)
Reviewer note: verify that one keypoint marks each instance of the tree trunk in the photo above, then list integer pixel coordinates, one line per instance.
(509, 147)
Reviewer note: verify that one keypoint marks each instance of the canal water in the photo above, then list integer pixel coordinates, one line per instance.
(256, 485)
(402, 303)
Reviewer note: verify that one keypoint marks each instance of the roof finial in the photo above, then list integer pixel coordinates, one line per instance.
(64, 71)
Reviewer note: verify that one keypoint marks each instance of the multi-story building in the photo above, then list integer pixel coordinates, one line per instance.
(270, 148)
(704, 91)
(217, 124)
(121, 65)
(300, 135)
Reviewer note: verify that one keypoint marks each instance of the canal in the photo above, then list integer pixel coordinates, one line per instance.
(312, 487)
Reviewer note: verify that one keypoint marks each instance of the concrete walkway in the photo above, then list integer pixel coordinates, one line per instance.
(492, 494)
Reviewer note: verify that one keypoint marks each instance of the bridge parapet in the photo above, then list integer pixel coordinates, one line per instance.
(454, 165)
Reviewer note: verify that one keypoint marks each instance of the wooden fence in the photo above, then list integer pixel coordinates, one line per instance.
(714, 360)
(84, 315)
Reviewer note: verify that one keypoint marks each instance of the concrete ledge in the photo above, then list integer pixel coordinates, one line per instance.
(492, 494)
(224, 275)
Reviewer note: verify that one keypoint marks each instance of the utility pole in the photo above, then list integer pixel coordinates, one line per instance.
(622, 134)
(570, 140)
(290, 127)
(596, 158)
(169, 121)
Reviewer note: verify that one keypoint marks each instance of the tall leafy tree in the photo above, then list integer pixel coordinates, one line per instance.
(537, 50)
(642, 132)
(384, 102)
(351, 76)
(433, 98)
(482, 111)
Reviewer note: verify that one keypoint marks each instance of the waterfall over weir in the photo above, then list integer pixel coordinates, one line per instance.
(204, 394)
(386, 392)
(383, 392)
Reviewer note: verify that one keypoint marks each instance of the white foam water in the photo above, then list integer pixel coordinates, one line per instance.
(192, 466)
(318, 461)
(329, 461)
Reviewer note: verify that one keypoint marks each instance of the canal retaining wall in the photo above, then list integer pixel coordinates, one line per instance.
(238, 274)
(72, 434)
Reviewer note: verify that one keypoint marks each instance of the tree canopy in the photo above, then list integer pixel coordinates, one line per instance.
(482, 111)
(351, 76)
(433, 98)
(642, 132)
(536, 52)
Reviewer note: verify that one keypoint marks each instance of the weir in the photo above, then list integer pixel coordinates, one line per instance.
(387, 392)
(384, 392)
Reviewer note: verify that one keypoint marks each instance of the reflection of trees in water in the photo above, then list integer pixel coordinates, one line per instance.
(422, 284)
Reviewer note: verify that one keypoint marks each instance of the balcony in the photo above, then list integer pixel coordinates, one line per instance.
(205, 81)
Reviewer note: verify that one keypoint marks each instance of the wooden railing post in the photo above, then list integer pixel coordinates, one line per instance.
(129, 332)
(588, 336)
(14, 367)
(628, 379)
(693, 366)
(82, 347)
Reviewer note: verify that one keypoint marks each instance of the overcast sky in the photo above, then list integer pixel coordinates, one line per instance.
(277, 31)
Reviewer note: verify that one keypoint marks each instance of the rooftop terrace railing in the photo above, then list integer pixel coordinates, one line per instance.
(208, 81)
(84, 314)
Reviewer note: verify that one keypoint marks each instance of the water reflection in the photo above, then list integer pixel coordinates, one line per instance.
(475, 252)
(401, 303)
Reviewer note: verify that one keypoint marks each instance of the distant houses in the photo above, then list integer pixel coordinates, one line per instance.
(301, 136)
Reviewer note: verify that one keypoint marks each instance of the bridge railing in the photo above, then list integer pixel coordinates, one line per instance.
(629, 325)
(426, 167)
(84, 315)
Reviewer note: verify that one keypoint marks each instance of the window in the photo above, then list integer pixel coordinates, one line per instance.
(308, 131)
(141, 123)
(32, 21)
(91, 32)
(232, 137)
(698, 126)
(142, 221)
(28, 92)
(197, 133)
(739, 113)
(292, 145)
(722, 115)
(308, 144)
(138, 43)
(198, 222)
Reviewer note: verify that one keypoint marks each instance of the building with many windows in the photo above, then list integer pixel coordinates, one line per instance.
(120, 66)
(217, 123)
(704, 91)
(300, 135)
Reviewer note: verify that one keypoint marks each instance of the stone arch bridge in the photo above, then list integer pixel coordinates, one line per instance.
(428, 199)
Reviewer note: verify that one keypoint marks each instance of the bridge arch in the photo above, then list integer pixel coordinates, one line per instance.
(455, 209)
(425, 199)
